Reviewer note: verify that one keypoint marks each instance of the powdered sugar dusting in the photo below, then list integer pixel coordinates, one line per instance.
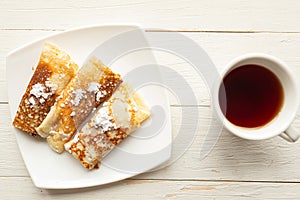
(95, 88)
(72, 114)
(39, 91)
(32, 101)
(99, 96)
(103, 120)
(41, 100)
(79, 94)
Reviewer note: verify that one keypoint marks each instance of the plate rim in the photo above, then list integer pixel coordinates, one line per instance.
(51, 184)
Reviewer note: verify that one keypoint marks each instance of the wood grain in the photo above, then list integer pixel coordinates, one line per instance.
(209, 15)
(221, 47)
(153, 189)
(235, 168)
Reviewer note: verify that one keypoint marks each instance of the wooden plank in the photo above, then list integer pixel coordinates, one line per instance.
(235, 169)
(217, 15)
(231, 159)
(153, 189)
(220, 47)
(3, 89)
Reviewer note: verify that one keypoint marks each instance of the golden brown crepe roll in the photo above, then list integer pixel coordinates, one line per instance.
(53, 72)
(111, 124)
(93, 85)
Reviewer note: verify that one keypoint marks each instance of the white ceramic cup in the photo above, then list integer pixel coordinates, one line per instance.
(281, 124)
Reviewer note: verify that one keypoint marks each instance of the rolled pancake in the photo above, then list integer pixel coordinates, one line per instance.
(54, 71)
(111, 124)
(93, 85)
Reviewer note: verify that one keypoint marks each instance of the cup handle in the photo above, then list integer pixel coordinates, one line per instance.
(290, 135)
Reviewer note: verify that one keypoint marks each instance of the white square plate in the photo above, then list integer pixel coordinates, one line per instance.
(144, 150)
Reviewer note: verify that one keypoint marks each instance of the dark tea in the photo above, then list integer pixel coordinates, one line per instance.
(251, 96)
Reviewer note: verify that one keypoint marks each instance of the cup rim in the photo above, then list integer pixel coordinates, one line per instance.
(243, 132)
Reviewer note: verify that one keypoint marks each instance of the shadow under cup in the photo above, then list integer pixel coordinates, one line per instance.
(257, 97)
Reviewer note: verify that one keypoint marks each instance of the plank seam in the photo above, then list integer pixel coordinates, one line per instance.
(190, 180)
(162, 30)
(223, 180)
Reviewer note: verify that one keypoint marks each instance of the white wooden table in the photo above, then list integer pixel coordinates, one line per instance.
(235, 169)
